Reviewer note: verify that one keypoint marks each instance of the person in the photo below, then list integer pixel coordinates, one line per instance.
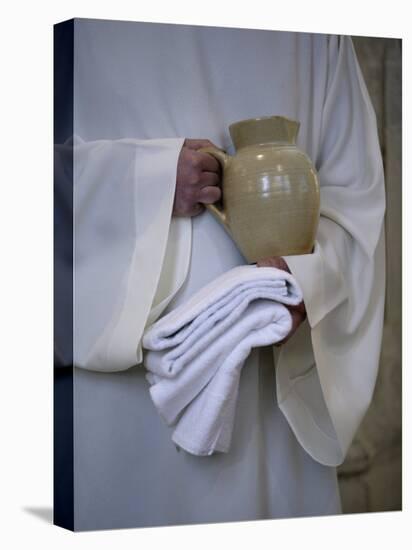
(147, 98)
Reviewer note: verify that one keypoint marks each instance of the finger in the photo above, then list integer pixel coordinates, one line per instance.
(269, 262)
(184, 211)
(209, 195)
(299, 308)
(208, 163)
(196, 209)
(275, 261)
(209, 179)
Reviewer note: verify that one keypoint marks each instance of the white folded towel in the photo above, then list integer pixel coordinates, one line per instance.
(196, 352)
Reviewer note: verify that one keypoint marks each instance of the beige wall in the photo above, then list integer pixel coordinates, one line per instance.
(370, 478)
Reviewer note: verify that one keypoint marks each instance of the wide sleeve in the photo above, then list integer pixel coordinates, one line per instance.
(327, 372)
(125, 246)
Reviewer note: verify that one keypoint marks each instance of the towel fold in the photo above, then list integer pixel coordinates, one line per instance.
(196, 352)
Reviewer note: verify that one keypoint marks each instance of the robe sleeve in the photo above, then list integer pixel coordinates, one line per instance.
(326, 373)
(124, 236)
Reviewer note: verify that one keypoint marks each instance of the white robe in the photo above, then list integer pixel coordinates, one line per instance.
(140, 89)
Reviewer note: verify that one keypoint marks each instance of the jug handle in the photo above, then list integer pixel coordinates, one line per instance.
(223, 159)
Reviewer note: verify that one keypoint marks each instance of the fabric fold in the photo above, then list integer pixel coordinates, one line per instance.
(343, 280)
(120, 246)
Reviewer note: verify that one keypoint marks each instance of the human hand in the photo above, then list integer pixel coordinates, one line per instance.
(197, 179)
(297, 312)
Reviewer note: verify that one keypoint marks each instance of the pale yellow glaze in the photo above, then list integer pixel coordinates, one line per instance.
(270, 203)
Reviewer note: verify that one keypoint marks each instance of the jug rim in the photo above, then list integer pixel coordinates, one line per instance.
(265, 129)
(264, 117)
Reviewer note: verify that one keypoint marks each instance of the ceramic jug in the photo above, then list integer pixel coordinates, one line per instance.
(270, 190)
